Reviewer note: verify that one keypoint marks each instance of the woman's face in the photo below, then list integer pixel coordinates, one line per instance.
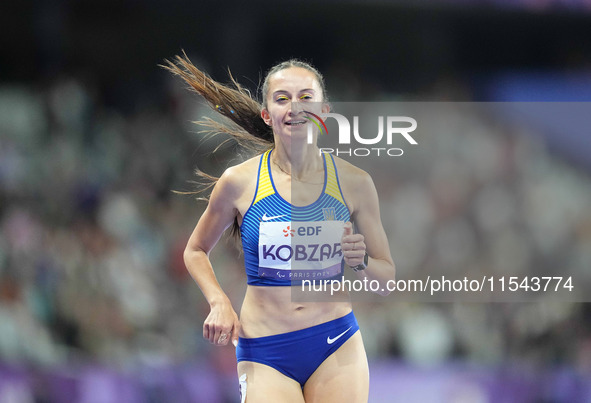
(292, 91)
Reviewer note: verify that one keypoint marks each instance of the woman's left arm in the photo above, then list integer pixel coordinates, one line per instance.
(371, 237)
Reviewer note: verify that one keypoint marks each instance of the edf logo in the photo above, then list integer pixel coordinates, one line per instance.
(309, 231)
(303, 231)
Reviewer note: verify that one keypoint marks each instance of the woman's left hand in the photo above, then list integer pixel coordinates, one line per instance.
(353, 246)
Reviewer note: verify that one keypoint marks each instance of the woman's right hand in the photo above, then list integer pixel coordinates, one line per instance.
(222, 324)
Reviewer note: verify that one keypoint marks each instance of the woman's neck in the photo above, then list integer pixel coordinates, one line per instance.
(298, 162)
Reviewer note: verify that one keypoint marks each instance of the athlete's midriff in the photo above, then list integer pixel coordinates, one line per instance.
(273, 310)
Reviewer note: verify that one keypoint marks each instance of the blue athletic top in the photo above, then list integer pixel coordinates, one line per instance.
(283, 243)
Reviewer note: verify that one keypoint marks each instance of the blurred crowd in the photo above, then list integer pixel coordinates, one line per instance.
(92, 235)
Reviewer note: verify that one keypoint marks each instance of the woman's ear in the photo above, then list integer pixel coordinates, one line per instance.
(325, 107)
(266, 116)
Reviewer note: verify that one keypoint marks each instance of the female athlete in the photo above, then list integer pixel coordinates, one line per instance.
(287, 351)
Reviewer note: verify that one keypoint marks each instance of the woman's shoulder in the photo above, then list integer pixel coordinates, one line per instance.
(356, 184)
(235, 186)
(239, 177)
(349, 173)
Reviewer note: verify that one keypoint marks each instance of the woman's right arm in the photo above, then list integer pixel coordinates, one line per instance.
(218, 216)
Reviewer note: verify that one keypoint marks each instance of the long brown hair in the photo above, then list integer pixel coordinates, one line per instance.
(242, 112)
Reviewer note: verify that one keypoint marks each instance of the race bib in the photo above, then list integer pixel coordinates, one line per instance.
(300, 250)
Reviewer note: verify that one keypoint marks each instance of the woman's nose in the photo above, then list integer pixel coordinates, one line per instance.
(296, 107)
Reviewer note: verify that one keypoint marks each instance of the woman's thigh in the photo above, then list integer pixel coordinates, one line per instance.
(265, 384)
(342, 377)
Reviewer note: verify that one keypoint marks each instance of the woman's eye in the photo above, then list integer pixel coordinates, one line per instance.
(306, 97)
(281, 98)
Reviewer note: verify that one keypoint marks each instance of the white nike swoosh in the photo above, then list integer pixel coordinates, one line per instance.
(330, 341)
(265, 218)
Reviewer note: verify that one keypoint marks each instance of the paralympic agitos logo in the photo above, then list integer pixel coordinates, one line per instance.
(394, 126)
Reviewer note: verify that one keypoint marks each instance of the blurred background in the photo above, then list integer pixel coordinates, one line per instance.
(95, 302)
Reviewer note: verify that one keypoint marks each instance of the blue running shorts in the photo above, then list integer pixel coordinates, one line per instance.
(298, 354)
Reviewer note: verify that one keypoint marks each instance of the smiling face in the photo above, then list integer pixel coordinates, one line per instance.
(291, 92)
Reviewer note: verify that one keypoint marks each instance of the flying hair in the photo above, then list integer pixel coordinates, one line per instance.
(242, 112)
